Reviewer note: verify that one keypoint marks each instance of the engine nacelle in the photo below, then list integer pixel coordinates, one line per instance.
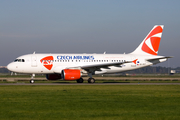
(71, 74)
(53, 76)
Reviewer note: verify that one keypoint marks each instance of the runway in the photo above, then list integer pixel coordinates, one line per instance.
(88, 84)
(107, 81)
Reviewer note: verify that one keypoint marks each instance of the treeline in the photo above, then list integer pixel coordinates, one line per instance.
(152, 70)
(4, 70)
(145, 70)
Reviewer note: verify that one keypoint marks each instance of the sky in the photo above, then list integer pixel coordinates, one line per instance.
(86, 26)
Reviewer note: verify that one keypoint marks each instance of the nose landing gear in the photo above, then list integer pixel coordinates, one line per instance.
(32, 79)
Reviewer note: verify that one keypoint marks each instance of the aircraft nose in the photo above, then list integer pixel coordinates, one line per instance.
(11, 67)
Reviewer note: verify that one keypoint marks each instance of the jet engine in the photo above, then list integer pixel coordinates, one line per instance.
(71, 74)
(53, 76)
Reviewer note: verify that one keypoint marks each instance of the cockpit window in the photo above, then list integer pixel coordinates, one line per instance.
(19, 60)
(15, 60)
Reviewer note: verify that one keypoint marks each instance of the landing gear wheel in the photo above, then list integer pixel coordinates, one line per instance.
(31, 81)
(91, 80)
(80, 80)
(32, 78)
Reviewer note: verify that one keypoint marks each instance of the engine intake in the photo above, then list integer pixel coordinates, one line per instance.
(71, 74)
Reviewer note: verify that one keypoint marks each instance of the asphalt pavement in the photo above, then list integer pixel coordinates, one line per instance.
(18, 83)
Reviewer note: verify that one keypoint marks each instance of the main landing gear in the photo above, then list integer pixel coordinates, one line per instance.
(90, 80)
(32, 78)
(80, 80)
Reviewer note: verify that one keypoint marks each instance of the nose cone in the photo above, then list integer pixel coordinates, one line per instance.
(11, 67)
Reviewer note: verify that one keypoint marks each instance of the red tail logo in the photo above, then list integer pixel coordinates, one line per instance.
(152, 41)
(134, 61)
(47, 62)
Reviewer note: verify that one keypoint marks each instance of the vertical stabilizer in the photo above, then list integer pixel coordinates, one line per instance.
(150, 45)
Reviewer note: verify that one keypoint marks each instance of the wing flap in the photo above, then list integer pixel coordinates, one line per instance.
(105, 65)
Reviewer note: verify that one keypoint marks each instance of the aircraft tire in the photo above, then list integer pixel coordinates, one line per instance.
(91, 80)
(32, 81)
(80, 80)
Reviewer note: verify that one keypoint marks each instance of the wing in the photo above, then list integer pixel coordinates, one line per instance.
(97, 67)
(91, 68)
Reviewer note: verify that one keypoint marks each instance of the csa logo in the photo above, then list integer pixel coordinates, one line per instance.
(47, 62)
(152, 41)
(135, 61)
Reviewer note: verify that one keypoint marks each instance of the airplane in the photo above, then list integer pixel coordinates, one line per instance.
(75, 66)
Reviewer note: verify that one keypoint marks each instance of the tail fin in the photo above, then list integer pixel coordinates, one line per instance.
(150, 45)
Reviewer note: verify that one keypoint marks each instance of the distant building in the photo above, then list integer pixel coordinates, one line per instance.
(3, 67)
(172, 72)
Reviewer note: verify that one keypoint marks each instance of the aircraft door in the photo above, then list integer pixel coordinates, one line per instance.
(33, 61)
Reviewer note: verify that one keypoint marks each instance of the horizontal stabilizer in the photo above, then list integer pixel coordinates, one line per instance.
(158, 58)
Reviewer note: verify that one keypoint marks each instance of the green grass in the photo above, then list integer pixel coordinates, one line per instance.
(90, 102)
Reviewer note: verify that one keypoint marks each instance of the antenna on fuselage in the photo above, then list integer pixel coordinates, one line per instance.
(34, 52)
(104, 52)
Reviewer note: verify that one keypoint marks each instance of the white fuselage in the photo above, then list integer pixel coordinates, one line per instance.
(55, 63)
